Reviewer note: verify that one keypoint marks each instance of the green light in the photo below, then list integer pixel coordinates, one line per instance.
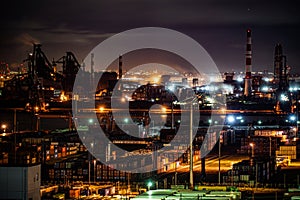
(126, 120)
(149, 184)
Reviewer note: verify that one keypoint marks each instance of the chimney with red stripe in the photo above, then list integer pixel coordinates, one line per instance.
(248, 79)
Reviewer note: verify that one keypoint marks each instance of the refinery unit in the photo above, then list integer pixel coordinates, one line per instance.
(39, 83)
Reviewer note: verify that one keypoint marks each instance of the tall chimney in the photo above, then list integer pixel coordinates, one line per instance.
(120, 66)
(278, 64)
(280, 68)
(92, 69)
(248, 79)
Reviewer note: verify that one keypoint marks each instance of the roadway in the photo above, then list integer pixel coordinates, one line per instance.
(212, 164)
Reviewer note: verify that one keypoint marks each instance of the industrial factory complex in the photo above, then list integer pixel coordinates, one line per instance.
(248, 124)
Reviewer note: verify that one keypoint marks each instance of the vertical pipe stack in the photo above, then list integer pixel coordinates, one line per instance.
(120, 66)
(278, 64)
(280, 69)
(248, 79)
(92, 69)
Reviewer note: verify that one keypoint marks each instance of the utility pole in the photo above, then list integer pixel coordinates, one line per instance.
(256, 170)
(191, 147)
(15, 134)
(89, 159)
(95, 172)
(297, 112)
(172, 114)
(270, 153)
(219, 177)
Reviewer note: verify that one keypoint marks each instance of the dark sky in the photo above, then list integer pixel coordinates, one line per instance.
(218, 25)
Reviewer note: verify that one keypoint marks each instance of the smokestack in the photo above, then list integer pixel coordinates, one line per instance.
(278, 65)
(92, 69)
(248, 79)
(120, 66)
(280, 68)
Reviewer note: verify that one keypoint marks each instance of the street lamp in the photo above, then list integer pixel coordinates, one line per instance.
(191, 102)
(191, 147)
(191, 141)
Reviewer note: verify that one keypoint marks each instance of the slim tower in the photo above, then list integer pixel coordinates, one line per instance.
(280, 68)
(92, 69)
(120, 67)
(248, 79)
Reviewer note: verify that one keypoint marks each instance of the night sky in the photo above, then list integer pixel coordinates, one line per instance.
(218, 25)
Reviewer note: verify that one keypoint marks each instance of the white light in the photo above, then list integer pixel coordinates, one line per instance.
(293, 118)
(265, 89)
(171, 88)
(284, 97)
(210, 100)
(230, 119)
(240, 79)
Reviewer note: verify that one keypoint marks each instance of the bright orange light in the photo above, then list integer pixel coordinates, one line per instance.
(156, 79)
(36, 108)
(101, 109)
(223, 110)
(63, 97)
